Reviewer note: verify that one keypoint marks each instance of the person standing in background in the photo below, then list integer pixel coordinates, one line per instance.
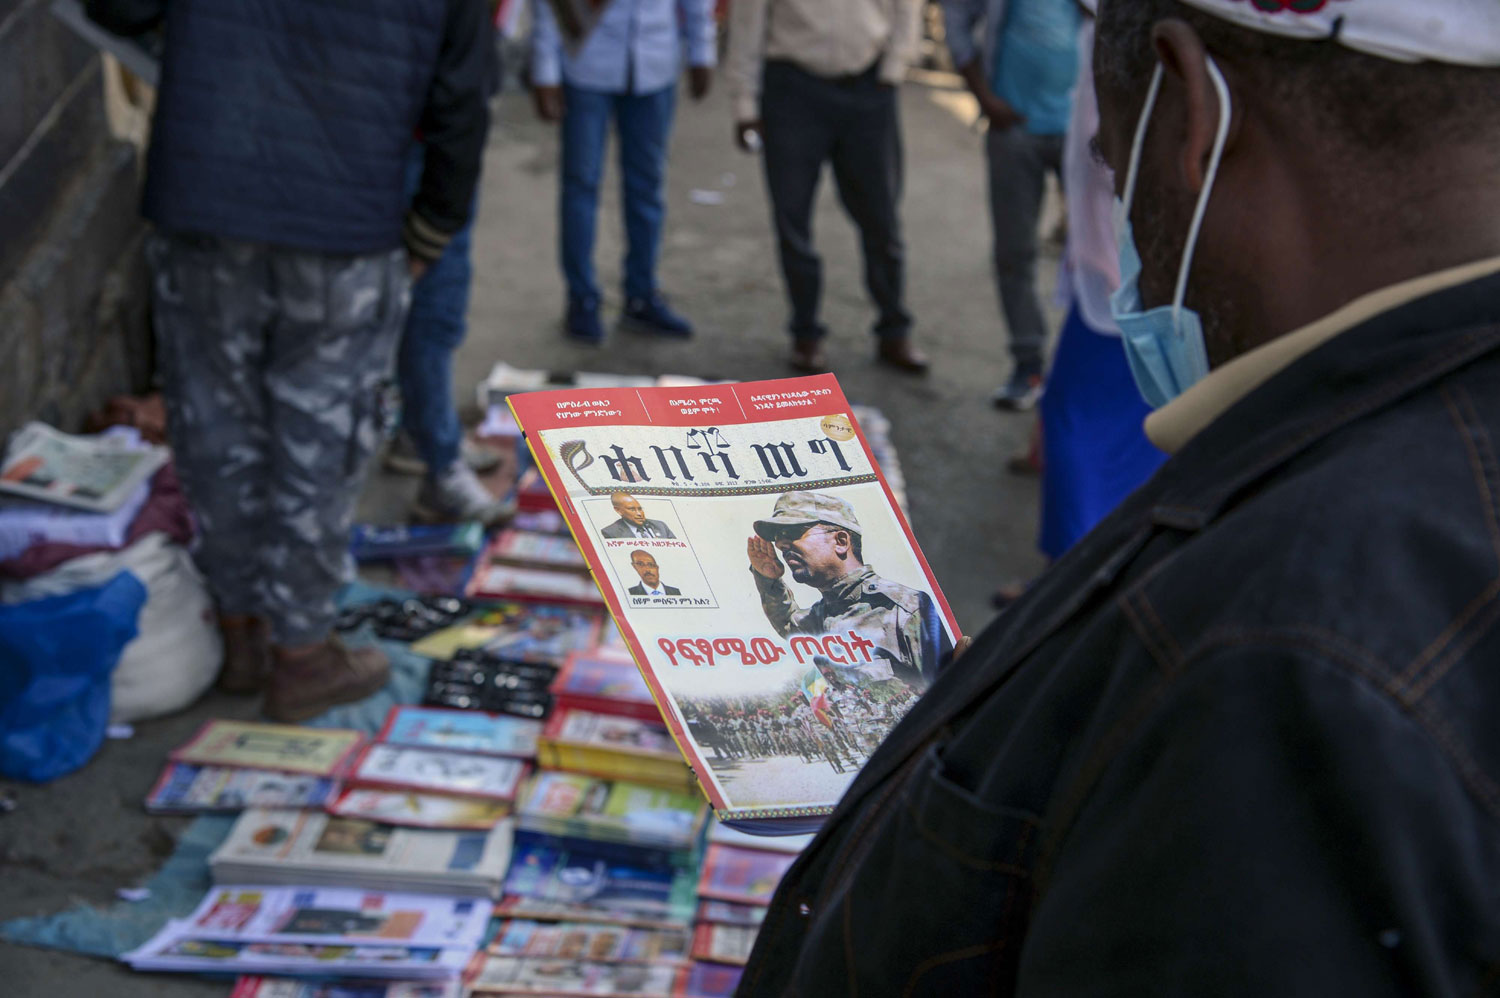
(431, 442)
(816, 83)
(626, 68)
(280, 287)
(1022, 72)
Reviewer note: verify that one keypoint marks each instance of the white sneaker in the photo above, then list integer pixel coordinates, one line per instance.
(402, 458)
(458, 496)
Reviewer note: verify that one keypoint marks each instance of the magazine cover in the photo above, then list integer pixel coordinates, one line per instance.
(767, 583)
(280, 987)
(286, 747)
(744, 876)
(604, 684)
(521, 632)
(729, 913)
(461, 731)
(571, 804)
(723, 943)
(586, 941)
(96, 473)
(297, 843)
(516, 976)
(549, 871)
(438, 772)
(184, 788)
(171, 949)
(419, 810)
(337, 916)
(708, 980)
(517, 906)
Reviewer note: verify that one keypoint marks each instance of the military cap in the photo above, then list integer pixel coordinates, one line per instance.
(801, 509)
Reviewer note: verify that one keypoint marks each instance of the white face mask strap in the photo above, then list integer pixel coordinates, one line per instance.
(1133, 170)
(1221, 138)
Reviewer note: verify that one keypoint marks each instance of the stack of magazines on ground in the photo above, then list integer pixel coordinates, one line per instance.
(548, 790)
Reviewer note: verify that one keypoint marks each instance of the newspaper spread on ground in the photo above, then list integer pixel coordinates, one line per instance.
(98, 473)
(767, 583)
(337, 916)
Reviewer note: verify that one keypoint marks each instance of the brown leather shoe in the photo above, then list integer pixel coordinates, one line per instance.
(307, 680)
(247, 654)
(808, 357)
(898, 352)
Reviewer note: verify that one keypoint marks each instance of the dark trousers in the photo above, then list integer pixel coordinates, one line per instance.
(852, 123)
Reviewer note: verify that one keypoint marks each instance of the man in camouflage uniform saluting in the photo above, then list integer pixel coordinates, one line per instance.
(821, 541)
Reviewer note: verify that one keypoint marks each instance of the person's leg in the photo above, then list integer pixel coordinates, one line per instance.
(585, 131)
(867, 166)
(435, 326)
(209, 309)
(1017, 181)
(796, 142)
(645, 126)
(330, 353)
(209, 305)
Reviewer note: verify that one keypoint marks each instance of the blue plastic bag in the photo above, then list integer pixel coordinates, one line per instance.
(56, 656)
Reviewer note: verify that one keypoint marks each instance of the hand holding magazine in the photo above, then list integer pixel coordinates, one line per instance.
(763, 576)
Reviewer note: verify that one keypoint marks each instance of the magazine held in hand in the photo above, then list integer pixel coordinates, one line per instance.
(761, 571)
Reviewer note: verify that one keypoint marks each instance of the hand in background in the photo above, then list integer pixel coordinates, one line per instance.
(747, 135)
(700, 80)
(549, 102)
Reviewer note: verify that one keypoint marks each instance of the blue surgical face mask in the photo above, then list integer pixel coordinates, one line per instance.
(1165, 345)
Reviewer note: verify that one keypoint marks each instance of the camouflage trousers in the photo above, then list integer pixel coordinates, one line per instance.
(274, 364)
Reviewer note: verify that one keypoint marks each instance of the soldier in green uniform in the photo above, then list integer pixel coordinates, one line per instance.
(820, 541)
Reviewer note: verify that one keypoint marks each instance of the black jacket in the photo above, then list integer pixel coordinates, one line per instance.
(1242, 740)
(289, 121)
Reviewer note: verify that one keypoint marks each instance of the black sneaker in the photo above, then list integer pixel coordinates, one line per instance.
(652, 315)
(1020, 394)
(583, 323)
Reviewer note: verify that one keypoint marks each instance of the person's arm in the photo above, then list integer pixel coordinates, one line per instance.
(700, 38)
(961, 18)
(546, 46)
(454, 124)
(126, 17)
(906, 34)
(1279, 825)
(744, 61)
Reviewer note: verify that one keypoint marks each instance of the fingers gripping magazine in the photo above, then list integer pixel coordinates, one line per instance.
(761, 572)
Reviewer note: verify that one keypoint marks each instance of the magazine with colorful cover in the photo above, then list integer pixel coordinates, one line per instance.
(523, 976)
(437, 771)
(183, 788)
(708, 980)
(285, 747)
(519, 906)
(418, 810)
(337, 916)
(519, 632)
(578, 806)
(172, 949)
(723, 943)
(729, 913)
(549, 870)
(520, 937)
(744, 876)
(614, 747)
(604, 684)
(281, 987)
(765, 579)
(460, 731)
(96, 473)
(523, 547)
(312, 847)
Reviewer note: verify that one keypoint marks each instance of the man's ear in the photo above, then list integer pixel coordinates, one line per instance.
(1185, 63)
(842, 542)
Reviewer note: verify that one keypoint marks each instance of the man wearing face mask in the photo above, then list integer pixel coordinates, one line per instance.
(1239, 741)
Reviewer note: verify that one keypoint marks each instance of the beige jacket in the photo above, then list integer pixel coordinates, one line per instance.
(824, 37)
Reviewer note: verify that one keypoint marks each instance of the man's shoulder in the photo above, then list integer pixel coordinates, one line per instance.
(615, 529)
(880, 588)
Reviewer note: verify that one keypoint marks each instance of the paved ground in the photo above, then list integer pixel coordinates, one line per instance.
(84, 836)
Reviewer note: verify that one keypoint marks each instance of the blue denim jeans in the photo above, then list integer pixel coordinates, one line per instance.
(434, 329)
(643, 123)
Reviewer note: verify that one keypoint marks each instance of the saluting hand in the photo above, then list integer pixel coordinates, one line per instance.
(763, 558)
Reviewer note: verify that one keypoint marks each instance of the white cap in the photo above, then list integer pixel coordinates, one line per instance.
(1461, 32)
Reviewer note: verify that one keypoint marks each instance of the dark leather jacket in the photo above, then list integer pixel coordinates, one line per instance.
(1243, 740)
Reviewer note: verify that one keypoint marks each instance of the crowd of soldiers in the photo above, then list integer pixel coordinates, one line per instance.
(852, 722)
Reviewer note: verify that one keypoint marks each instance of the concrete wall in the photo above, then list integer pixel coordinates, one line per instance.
(73, 324)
